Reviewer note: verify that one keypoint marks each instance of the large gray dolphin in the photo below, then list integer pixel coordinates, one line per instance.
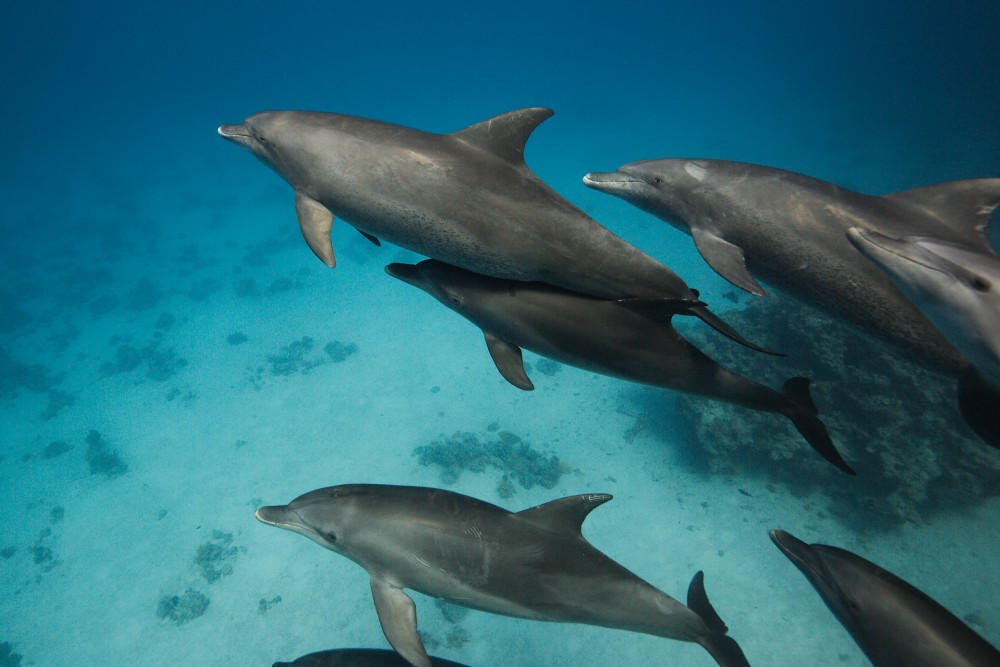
(466, 198)
(533, 564)
(789, 229)
(895, 624)
(959, 290)
(605, 337)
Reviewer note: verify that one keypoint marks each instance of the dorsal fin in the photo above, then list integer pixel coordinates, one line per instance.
(565, 514)
(506, 134)
(966, 207)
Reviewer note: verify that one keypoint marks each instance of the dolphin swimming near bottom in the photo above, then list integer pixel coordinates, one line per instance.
(532, 564)
(607, 337)
(958, 289)
(358, 657)
(894, 623)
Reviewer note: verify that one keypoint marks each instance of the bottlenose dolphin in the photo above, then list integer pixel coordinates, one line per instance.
(358, 657)
(466, 198)
(789, 229)
(895, 624)
(531, 564)
(605, 337)
(959, 290)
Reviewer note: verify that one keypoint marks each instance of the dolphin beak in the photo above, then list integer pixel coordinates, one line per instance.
(878, 247)
(238, 134)
(408, 273)
(608, 180)
(276, 515)
(800, 553)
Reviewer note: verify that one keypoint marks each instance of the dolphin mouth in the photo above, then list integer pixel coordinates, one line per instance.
(408, 273)
(597, 179)
(869, 243)
(275, 515)
(800, 553)
(236, 133)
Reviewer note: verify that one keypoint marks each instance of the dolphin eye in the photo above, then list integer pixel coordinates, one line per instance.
(981, 284)
(330, 536)
(658, 180)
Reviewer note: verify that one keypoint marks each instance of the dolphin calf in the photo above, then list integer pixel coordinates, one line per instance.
(895, 624)
(606, 337)
(959, 290)
(358, 657)
(466, 198)
(789, 229)
(532, 564)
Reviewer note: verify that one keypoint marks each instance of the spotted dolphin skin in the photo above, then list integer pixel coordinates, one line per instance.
(789, 230)
(466, 198)
(533, 564)
(606, 337)
(895, 624)
(959, 290)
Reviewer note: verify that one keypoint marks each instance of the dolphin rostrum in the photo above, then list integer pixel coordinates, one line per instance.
(789, 229)
(894, 623)
(606, 337)
(532, 564)
(959, 290)
(466, 198)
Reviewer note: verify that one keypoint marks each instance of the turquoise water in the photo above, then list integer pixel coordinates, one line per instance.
(172, 356)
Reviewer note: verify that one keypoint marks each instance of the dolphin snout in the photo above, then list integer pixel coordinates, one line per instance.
(603, 179)
(236, 133)
(408, 273)
(276, 515)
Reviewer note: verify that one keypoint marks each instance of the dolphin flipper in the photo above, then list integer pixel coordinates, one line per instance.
(726, 259)
(721, 646)
(371, 237)
(509, 361)
(316, 223)
(398, 617)
(711, 319)
(979, 402)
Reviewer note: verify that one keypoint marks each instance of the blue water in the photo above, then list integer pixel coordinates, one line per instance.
(172, 356)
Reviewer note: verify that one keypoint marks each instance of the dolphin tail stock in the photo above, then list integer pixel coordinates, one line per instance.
(718, 643)
(979, 401)
(805, 416)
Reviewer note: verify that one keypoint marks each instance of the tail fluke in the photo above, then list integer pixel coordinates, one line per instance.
(803, 413)
(721, 646)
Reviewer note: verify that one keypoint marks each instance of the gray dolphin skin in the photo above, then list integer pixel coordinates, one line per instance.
(959, 290)
(606, 337)
(358, 657)
(533, 564)
(894, 623)
(465, 198)
(789, 229)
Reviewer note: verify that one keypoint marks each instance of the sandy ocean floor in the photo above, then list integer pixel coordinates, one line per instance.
(217, 367)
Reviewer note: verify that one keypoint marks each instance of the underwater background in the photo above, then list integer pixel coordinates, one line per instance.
(172, 355)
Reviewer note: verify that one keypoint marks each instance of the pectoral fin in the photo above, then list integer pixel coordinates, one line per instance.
(725, 259)
(509, 362)
(398, 616)
(371, 237)
(316, 223)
